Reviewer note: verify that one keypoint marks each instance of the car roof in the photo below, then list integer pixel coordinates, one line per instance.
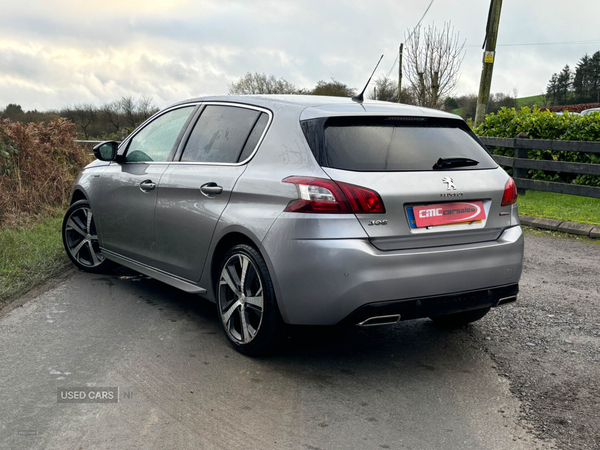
(314, 106)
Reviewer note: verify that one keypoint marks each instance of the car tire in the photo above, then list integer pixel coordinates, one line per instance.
(80, 239)
(461, 319)
(246, 302)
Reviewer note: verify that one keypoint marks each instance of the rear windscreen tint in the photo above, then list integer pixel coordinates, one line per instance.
(392, 143)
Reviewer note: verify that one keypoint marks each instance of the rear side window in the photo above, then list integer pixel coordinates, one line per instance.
(255, 136)
(392, 143)
(220, 134)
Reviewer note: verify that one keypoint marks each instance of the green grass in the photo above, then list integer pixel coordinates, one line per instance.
(524, 101)
(558, 234)
(560, 206)
(457, 111)
(29, 256)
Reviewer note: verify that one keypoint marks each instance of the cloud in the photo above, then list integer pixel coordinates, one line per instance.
(65, 52)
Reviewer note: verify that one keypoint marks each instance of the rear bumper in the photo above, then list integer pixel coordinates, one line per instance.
(324, 281)
(436, 305)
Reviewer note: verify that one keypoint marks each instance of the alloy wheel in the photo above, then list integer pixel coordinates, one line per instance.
(81, 238)
(241, 298)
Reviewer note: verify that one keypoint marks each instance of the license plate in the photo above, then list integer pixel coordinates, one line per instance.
(447, 213)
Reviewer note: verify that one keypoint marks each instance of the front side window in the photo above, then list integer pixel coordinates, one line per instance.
(220, 134)
(156, 140)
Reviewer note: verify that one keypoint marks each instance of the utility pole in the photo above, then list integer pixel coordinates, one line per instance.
(400, 71)
(489, 54)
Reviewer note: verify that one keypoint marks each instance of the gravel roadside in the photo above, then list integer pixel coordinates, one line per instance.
(548, 342)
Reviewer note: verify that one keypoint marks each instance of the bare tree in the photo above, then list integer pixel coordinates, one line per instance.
(543, 99)
(128, 107)
(146, 108)
(260, 83)
(387, 91)
(111, 112)
(432, 63)
(84, 115)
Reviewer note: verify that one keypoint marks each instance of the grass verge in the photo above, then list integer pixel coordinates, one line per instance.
(570, 208)
(536, 99)
(558, 234)
(458, 111)
(29, 256)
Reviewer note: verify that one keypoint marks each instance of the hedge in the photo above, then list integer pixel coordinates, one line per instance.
(537, 124)
(38, 164)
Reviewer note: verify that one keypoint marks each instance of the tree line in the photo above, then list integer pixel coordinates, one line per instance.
(432, 67)
(112, 120)
(260, 83)
(383, 88)
(466, 105)
(579, 86)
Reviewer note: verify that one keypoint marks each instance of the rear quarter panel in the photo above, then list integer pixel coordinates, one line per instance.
(259, 196)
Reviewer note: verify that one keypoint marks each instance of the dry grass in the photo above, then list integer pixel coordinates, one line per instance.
(38, 164)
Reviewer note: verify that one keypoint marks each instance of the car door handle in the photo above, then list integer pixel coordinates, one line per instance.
(147, 185)
(211, 189)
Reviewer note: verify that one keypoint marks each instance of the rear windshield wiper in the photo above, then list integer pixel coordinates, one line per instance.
(454, 161)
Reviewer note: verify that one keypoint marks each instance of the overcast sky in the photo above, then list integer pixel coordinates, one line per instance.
(60, 52)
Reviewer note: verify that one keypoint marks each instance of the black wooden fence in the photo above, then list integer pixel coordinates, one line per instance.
(521, 164)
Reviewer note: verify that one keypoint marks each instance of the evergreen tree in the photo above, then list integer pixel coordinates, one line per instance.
(564, 83)
(579, 86)
(582, 80)
(333, 88)
(552, 90)
(594, 73)
(13, 111)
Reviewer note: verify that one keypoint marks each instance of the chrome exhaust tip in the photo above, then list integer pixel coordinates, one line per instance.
(380, 320)
(505, 300)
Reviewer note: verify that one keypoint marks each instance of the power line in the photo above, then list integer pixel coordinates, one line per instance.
(419, 23)
(596, 41)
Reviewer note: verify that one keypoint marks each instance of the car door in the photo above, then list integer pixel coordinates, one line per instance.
(125, 209)
(194, 191)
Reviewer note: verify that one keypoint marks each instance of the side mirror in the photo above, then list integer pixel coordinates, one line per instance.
(106, 151)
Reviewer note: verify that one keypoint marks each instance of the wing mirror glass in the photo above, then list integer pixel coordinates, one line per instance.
(106, 151)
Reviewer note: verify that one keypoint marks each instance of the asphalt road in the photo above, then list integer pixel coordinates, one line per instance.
(182, 386)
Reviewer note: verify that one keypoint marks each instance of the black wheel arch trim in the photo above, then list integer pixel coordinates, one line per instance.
(77, 195)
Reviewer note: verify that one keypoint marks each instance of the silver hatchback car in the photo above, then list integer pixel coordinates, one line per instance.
(304, 210)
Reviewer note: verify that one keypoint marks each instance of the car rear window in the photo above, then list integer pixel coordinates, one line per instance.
(392, 143)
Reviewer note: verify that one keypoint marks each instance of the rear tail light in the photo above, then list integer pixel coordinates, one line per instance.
(319, 195)
(362, 200)
(510, 193)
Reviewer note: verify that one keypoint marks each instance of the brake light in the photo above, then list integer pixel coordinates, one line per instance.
(319, 195)
(362, 200)
(510, 193)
